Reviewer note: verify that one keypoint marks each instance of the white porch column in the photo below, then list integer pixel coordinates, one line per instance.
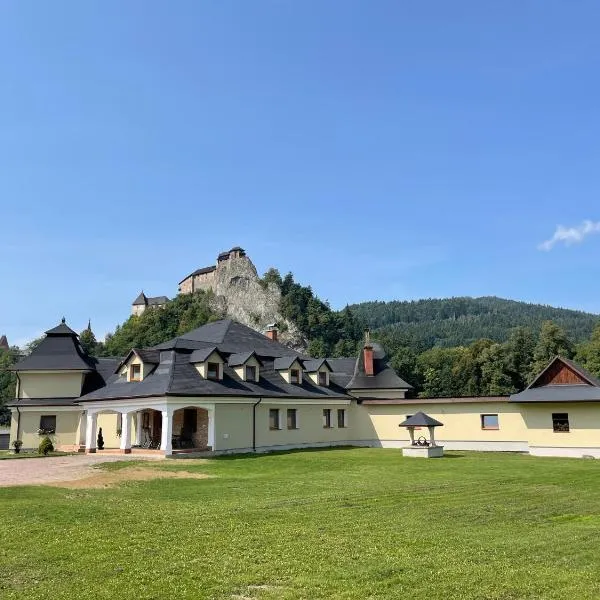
(90, 432)
(211, 428)
(166, 442)
(82, 431)
(138, 428)
(125, 433)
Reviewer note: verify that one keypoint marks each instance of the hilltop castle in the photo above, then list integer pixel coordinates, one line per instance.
(201, 279)
(205, 278)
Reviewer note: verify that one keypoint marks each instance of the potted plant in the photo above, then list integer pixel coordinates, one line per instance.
(17, 445)
(100, 440)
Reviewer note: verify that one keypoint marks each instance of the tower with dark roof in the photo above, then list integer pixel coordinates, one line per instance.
(4, 343)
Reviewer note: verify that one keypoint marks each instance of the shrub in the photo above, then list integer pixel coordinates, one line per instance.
(100, 440)
(17, 445)
(46, 446)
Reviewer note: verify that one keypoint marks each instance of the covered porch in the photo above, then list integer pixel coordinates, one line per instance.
(163, 427)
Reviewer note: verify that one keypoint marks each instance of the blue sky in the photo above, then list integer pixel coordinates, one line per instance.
(378, 150)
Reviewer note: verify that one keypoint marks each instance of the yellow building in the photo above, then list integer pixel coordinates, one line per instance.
(226, 388)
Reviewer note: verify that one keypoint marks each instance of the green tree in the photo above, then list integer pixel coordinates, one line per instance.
(7, 381)
(495, 376)
(553, 341)
(157, 325)
(588, 353)
(404, 362)
(439, 369)
(519, 356)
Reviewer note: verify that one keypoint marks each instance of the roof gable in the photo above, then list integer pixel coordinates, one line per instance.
(286, 362)
(241, 358)
(313, 365)
(203, 354)
(562, 371)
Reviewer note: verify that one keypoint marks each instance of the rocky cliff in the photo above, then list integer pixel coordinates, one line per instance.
(241, 295)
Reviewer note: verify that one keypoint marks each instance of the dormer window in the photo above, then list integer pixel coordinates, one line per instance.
(294, 375)
(323, 378)
(135, 373)
(250, 373)
(212, 370)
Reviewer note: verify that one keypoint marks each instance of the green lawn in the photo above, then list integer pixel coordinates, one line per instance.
(350, 524)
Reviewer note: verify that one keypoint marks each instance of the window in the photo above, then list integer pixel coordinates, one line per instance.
(341, 414)
(560, 422)
(294, 376)
(292, 418)
(212, 370)
(119, 429)
(490, 422)
(250, 373)
(47, 424)
(273, 418)
(322, 378)
(135, 373)
(327, 418)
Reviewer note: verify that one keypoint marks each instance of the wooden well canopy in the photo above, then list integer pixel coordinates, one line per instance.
(420, 419)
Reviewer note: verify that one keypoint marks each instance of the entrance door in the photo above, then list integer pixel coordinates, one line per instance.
(156, 425)
(190, 426)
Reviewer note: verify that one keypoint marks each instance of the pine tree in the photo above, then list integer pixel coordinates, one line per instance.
(100, 440)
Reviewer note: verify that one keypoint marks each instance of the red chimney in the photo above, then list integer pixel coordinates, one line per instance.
(272, 332)
(368, 356)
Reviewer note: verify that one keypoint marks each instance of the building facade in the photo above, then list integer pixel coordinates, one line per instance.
(225, 388)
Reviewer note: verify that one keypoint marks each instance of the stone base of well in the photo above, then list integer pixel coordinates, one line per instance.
(423, 451)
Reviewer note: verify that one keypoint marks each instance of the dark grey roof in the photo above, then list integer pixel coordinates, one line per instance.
(314, 364)
(559, 393)
(420, 419)
(201, 271)
(61, 329)
(583, 373)
(342, 370)
(154, 300)
(202, 354)
(384, 378)
(140, 300)
(4, 342)
(176, 374)
(285, 362)
(230, 337)
(179, 377)
(44, 402)
(60, 350)
(236, 360)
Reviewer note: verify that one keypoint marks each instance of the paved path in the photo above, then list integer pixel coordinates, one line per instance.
(35, 471)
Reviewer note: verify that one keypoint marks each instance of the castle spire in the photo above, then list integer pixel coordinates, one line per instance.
(4, 343)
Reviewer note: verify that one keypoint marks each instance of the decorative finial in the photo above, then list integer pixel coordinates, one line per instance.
(89, 324)
(63, 321)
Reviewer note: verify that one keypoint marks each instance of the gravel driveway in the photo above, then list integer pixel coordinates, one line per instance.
(37, 471)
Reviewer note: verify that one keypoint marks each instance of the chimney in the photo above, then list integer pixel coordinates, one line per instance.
(368, 355)
(272, 332)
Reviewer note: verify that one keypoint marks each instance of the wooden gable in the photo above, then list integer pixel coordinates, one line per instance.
(559, 373)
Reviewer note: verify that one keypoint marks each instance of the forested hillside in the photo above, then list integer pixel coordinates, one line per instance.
(451, 322)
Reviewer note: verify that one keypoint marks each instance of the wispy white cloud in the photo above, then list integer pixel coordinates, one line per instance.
(570, 235)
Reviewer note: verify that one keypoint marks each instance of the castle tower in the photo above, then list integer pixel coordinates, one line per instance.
(4, 343)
